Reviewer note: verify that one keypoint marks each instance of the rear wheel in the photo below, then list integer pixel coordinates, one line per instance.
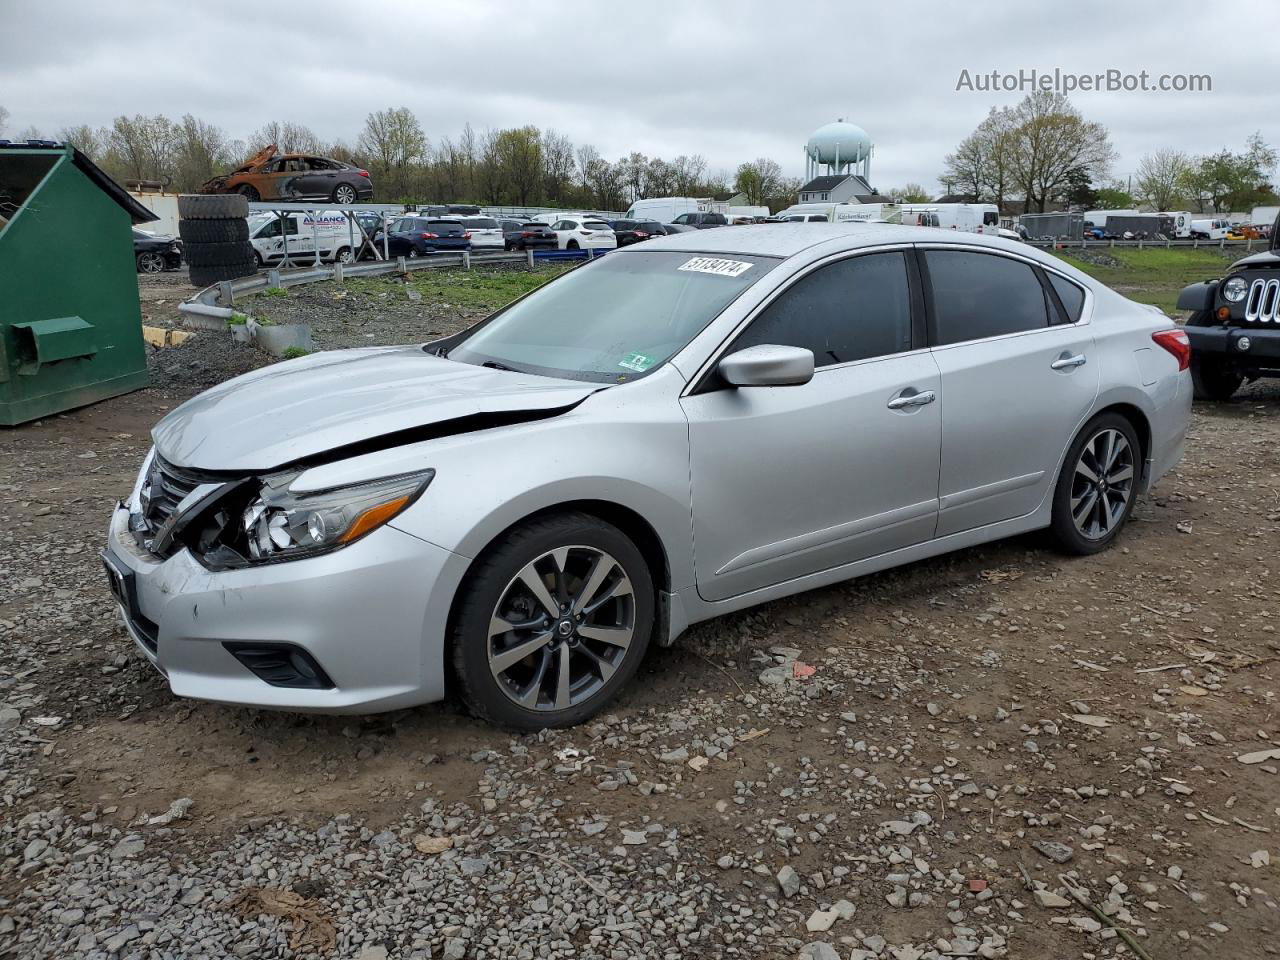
(1098, 485)
(344, 194)
(1214, 378)
(413, 253)
(345, 256)
(553, 622)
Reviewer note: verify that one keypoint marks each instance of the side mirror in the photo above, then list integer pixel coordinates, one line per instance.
(768, 365)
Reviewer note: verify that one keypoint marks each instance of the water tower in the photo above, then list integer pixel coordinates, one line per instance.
(838, 148)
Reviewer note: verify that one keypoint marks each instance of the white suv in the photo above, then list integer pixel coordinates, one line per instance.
(584, 233)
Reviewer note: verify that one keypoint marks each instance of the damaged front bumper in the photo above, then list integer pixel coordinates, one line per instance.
(359, 630)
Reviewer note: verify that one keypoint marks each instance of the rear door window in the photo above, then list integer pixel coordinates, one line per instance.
(853, 309)
(980, 295)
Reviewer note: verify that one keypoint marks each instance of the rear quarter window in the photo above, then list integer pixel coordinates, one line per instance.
(1071, 295)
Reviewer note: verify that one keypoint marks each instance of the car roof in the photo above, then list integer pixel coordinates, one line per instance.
(786, 240)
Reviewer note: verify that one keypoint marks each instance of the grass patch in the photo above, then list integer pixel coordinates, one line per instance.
(1153, 275)
(275, 293)
(292, 353)
(477, 288)
(238, 320)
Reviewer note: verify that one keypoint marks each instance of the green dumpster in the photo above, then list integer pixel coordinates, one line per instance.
(70, 321)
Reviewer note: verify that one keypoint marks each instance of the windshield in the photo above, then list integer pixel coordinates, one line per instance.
(614, 319)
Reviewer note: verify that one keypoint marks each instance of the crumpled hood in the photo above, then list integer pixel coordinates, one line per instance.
(302, 408)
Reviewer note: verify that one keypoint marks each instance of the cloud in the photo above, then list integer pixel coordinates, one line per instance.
(729, 80)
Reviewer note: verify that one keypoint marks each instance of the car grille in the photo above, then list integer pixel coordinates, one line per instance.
(1263, 302)
(162, 491)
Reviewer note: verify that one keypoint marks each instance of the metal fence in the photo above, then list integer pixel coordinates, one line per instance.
(1246, 245)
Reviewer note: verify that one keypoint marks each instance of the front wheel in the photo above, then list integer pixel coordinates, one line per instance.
(150, 262)
(248, 192)
(413, 253)
(571, 245)
(1213, 378)
(552, 623)
(1098, 485)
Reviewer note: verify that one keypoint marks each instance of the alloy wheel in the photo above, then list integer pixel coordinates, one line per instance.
(150, 262)
(561, 628)
(344, 194)
(1102, 484)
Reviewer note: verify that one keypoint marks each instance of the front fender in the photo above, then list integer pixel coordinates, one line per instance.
(1198, 297)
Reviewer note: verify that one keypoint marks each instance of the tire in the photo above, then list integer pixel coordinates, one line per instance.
(1214, 378)
(150, 261)
(213, 231)
(344, 255)
(249, 193)
(599, 668)
(206, 276)
(413, 253)
(1075, 491)
(344, 194)
(212, 206)
(218, 254)
(571, 245)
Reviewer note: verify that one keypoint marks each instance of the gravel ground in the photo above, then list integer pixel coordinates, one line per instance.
(943, 760)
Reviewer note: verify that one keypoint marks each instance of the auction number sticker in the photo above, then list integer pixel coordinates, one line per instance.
(721, 268)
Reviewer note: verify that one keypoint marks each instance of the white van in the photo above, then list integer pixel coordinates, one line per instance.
(1213, 228)
(662, 209)
(839, 213)
(329, 231)
(981, 218)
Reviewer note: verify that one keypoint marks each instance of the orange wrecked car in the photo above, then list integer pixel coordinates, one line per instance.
(268, 175)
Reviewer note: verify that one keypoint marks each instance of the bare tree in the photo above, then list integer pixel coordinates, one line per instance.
(981, 165)
(92, 143)
(688, 173)
(142, 148)
(4, 119)
(557, 165)
(288, 137)
(396, 148)
(759, 180)
(1050, 143)
(491, 178)
(1162, 176)
(588, 160)
(200, 151)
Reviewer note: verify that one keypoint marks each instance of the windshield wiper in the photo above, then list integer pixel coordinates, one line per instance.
(495, 365)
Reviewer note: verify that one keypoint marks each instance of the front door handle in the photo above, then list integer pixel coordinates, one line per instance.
(918, 399)
(1067, 361)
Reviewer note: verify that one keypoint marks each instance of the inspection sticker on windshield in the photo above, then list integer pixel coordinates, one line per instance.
(721, 268)
(636, 361)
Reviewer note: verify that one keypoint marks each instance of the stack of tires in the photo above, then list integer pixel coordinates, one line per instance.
(215, 237)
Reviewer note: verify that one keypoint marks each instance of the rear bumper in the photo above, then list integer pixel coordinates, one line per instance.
(1263, 344)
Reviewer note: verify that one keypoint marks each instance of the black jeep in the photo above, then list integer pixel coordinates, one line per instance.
(1235, 324)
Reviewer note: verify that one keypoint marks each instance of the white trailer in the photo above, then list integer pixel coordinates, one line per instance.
(1181, 222)
(164, 206)
(841, 212)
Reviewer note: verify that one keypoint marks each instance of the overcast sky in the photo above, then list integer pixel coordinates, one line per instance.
(729, 80)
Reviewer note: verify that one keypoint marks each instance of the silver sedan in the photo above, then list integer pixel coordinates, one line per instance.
(683, 428)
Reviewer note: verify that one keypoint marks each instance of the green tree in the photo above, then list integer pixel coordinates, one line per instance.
(395, 148)
(1227, 181)
(142, 148)
(911, 193)
(519, 154)
(1115, 197)
(1162, 178)
(758, 180)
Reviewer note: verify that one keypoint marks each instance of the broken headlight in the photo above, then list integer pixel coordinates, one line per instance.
(279, 525)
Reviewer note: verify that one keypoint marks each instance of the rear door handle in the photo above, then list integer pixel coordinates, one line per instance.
(1067, 361)
(918, 399)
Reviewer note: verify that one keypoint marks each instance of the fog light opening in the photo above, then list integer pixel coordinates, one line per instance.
(281, 664)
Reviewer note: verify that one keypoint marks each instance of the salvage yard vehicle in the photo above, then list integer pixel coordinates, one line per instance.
(511, 511)
(583, 233)
(518, 235)
(485, 233)
(419, 237)
(268, 175)
(1234, 325)
(155, 253)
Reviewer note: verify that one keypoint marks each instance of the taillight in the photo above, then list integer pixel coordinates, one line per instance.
(363, 173)
(428, 236)
(585, 233)
(640, 233)
(466, 235)
(1177, 343)
(528, 233)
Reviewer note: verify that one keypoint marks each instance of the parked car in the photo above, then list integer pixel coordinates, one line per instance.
(633, 231)
(295, 176)
(583, 233)
(1234, 324)
(512, 510)
(155, 253)
(419, 237)
(702, 220)
(298, 235)
(518, 235)
(486, 233)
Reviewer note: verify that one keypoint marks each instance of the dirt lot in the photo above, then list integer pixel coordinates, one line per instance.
(966, 721)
